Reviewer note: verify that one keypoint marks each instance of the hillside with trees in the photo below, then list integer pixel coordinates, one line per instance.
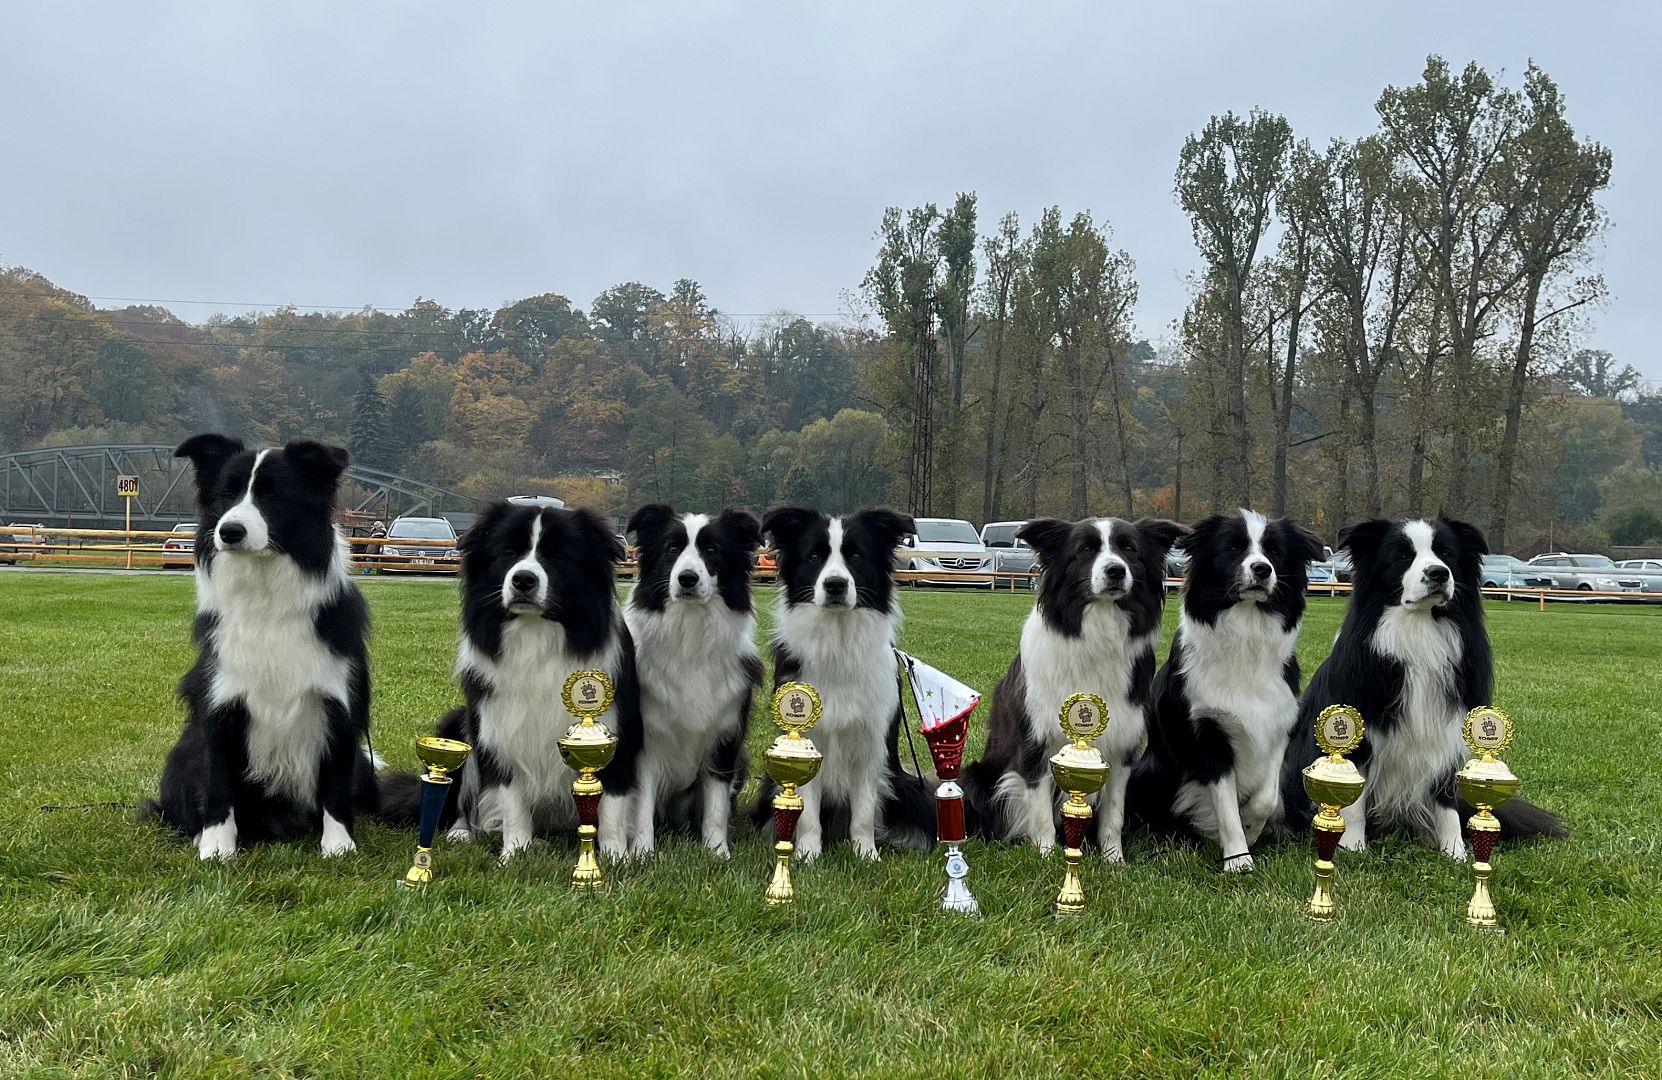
(1384, 322)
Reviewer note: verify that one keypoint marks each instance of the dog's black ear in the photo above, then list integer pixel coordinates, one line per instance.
(1471, 537)
(320, 464)
(598, 528)
(208, 452)
(742, 526)
(1161, 534)
(483, 525)
(1302, 543)
(1363, 538)
(649, 520)
(1200, 533)
(886, 524)
(1047, 536)
(783, 522)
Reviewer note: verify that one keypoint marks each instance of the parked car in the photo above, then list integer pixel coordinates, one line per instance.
(1011, 554)
(1339, 561)
(1177, 563)
(18, 545)
(1511, 572)
(179, 549)
(404, 549)
(947, 544)
(1320, 573)
(1586, 573)
(537, 500)
(1649, 572)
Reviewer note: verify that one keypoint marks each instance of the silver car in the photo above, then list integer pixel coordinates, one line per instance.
(1011, 554)
(1584, 573)
(1649, 572)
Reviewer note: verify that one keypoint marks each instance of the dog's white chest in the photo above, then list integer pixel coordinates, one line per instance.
(268, 656)
(1233, 674)
(1101, 660)
(522, 718)
(848, 656)
(1425, 742)
(690, 659)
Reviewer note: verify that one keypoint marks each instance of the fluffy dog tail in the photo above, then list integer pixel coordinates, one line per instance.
(909, 812)
(1521, 819)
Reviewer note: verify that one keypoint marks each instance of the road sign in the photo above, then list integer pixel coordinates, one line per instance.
(127, 487)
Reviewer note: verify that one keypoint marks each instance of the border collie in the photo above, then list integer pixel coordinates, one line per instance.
(1227, 697)
(1413, 656)
(1092, 629)
(278, 700)
(539, 601)
(835, 628)
(696, 657)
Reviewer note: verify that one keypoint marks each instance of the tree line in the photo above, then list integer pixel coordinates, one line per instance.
(1384, 323)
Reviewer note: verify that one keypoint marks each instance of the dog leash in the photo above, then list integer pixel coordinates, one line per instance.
(900, 699)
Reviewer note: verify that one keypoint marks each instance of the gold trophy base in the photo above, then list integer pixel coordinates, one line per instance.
(587, 876)
(780, 890)
(1320, 906)
(1070, 900)
(1480, 910)
(420, 871)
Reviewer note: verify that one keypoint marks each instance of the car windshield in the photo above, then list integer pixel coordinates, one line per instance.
(1597, 562)
(1002, 536)
(420, 530)
(947, 532)
(185, 528)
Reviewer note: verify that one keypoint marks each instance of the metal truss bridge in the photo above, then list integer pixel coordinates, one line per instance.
(74, 486)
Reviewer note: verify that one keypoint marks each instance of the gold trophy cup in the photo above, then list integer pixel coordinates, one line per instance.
(587, 746)
(1485, 782)
(1080, 771)
(1332, 782)
(792, 761)
(440, 756)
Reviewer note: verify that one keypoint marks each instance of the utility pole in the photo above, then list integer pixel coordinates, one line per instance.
(920, 470)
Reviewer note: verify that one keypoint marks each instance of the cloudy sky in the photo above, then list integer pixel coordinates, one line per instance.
(338, 155)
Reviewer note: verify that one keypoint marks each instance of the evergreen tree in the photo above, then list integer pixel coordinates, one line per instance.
(370, 441)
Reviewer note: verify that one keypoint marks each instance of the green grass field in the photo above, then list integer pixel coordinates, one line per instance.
(121, 955)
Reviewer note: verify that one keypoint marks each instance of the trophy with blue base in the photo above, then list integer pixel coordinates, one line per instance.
(441, 756)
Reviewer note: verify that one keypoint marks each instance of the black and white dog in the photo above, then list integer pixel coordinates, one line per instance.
(1092, 629)
(1227, 697)
(696, 657)
(278, 700)
(539, 602)
(1414, 657)
(834, 629)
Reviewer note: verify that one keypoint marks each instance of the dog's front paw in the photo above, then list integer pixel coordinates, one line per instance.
(867, 849)
(1113, 853)
(1354, 842)
(1044, 846)
(334, 846)
(807, 850)
(512, 846)
(459, 834)
(1455, 849)
(718, 848)
(1238, 864)
(217, 842)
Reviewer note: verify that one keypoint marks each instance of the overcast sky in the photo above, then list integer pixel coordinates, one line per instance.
(338, 155)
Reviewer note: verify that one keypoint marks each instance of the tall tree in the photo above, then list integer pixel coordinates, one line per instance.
(1006, 255)
(371, 436)
(1557, 181)
(1227, 177)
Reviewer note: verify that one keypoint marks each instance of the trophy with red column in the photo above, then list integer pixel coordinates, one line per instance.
(791, 761)
(944, 707)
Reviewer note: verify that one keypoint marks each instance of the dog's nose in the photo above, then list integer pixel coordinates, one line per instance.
(836, 586)
(687, 579)
(231, 532)
(1116, 574)
(1436, 574)
(1261, 571)
(524, 581)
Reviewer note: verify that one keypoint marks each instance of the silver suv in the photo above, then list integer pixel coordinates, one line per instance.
(1648, 571)
(1587, 573)
(1011, 554)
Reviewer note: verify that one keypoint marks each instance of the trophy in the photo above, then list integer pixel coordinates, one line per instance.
(440, 756)
(1332, 782)
(1485, 782)
(1079, 770)
(944, 707)
(792, 761)
(587, 747)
